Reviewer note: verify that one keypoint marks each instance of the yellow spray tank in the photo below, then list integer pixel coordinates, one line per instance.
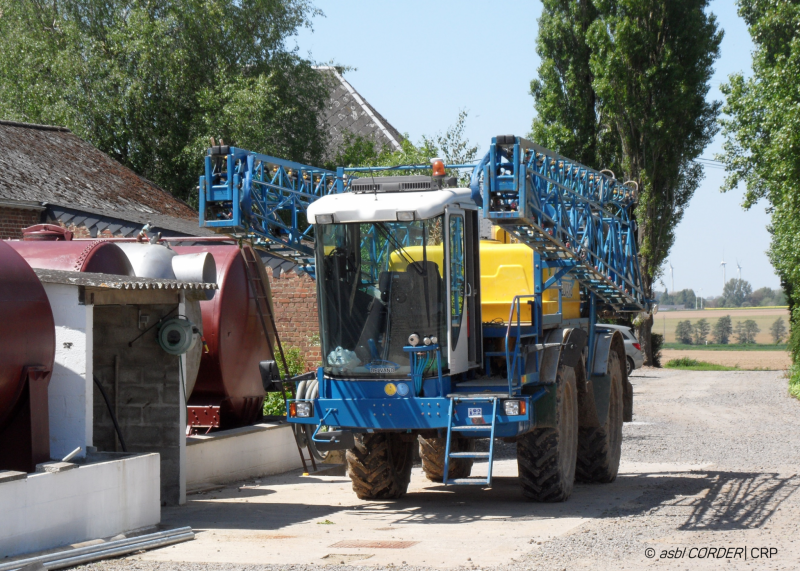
(506, 271)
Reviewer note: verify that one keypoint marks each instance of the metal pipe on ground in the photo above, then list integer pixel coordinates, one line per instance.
(81, 555)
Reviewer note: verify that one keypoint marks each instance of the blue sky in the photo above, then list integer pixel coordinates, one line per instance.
(419, 63)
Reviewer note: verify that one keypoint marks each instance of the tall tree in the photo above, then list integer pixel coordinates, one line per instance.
(762, 139)
(150, 82)
(623, 85)
(735, 293)
(723, 330)
(567, 118)
(652, 62)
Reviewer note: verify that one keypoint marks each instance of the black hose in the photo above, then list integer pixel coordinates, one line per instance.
(111, 412)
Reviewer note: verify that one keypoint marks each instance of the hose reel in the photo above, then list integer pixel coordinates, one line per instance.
(176, 336)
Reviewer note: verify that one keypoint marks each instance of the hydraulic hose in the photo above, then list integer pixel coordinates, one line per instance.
(111, 412)
(308, 390)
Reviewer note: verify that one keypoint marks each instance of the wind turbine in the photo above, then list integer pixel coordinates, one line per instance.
(739, 268)
(723, 269)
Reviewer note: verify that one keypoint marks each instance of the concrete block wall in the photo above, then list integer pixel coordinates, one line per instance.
(296, 316)
(70, 393)
(147, 393)
(13, 220)
(239, 453)
(49, 510)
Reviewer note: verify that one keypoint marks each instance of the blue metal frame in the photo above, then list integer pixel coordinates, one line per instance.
(264, 199)
(565, 212)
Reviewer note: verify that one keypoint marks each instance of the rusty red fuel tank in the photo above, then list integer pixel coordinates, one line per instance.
(99, 256)
(229, 375)
(27, 344)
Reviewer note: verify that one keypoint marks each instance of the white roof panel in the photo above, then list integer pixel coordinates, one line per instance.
(383, 207)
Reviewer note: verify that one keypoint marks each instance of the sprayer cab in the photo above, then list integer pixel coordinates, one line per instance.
(396, 267)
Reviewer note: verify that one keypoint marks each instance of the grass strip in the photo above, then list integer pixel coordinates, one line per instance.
(687, 364)
(794, 381)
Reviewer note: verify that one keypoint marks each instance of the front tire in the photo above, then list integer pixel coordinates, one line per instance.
(600, 448)
(546, 457)
(379, 465)
(431, 451)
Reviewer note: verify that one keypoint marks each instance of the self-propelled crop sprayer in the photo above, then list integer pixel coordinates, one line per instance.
(450, 314)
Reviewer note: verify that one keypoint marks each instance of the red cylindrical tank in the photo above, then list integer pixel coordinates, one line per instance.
(46, 233)
(99, 256)
(229, 375)
(27, 339)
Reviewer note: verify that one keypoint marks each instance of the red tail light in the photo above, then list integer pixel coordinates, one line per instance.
(638, 346)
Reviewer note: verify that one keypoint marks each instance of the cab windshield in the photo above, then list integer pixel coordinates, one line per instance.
(379, 282)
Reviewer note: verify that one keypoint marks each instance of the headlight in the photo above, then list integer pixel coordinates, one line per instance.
(323, 219)
(427, 341)
(406, 216)
(301, 409)
(514, 407)
(413, 339)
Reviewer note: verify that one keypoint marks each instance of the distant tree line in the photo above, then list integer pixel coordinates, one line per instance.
(744, 332)
(737, 293)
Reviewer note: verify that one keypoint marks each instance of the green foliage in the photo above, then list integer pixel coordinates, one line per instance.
(567, 118)
(701, 330)
(794, 381)
(687, 364)
(684, 332)
(778, 330)
(274, 404)
(735, 293)
(623, 85)
(723, 330)
(746, 332)
(452, 146)
(657, 341)
(651, 63)
(150, 82)
(684, 297)
(762, 136)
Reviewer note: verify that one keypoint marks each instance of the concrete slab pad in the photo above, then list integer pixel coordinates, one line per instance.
(291, 519)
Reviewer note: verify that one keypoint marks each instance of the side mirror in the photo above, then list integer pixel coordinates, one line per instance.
(270, 376)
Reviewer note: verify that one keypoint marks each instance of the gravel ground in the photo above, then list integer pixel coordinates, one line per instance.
(737, 435)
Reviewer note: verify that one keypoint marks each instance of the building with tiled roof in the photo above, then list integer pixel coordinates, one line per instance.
(51, 175)
(348, 112)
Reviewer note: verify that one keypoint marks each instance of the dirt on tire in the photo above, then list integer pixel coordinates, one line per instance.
(546, 457)
(432, 450)
(600, 447)
(379, 465)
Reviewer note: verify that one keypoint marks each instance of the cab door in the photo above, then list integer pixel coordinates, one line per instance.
(460, 288)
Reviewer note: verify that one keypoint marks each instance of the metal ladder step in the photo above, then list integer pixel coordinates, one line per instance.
(494, 400)
(469, 455)
(472, 427)
(470, 482)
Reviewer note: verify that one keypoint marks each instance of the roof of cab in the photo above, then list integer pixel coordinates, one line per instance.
(383, 207)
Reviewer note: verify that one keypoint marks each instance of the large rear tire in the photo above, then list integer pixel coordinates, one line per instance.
(600, 448)
(431, 451)
(380, 465)
(546, 457)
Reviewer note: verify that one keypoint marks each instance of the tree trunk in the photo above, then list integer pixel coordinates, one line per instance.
(646, 327)
(645, 338)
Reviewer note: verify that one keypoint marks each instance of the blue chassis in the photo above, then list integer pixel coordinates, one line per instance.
(364, 405)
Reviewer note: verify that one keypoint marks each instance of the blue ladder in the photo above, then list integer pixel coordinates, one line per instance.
(474, 455)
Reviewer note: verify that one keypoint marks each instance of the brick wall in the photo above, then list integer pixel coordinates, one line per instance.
(295, 301)
(13, 220)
